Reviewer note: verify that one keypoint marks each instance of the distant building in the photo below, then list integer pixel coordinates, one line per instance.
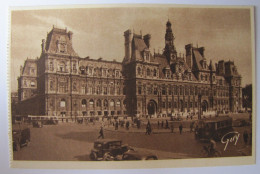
(60, 83)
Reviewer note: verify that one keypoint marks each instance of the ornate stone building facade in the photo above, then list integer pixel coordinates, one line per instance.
(60, 83)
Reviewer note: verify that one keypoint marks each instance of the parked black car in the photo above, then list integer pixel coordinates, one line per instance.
(21, 136)
(108, 149)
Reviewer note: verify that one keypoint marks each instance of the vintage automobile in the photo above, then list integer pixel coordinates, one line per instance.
(108, 149)
(215, 128)
(138, 155)
(21, 136)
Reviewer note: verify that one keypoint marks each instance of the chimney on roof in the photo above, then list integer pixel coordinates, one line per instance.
(147, 39)
(43, 45)
(201, 50)
(127, 35)
(21, 70)
(189, 59)
(70, 35)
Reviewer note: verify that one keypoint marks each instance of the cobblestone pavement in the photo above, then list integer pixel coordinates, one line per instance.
(71, 141)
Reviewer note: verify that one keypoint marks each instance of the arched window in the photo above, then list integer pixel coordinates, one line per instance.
(124, 103)
(51, 66)
(105, 103)
(154, 73)
(62, 66)
(74, 86)
(181, 90)
(112, 103)
(62, 103)
(118, 90)
(139, 71)
(118, 103)
(105, 90)
(148, 72)
(93, 90)
(84, 103)
(163, 90)
(155, 91)
(82, 70)
(51, 85)
(124, 91)
(95, 72)
(117, 74)
(98, 103)
(98, 90)
(91, 103)
(112, 90)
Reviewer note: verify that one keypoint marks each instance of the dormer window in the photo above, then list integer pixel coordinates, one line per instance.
(32, 70)
(32, 84)
(147, 56)
(82, 70)
(62, 67)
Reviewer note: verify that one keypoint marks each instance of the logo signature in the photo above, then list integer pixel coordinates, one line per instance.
(230, 137)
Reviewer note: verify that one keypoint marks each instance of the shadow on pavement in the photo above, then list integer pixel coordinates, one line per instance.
(80, 136)
(82, 157)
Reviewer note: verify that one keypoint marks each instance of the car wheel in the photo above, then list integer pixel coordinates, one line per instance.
(93, 156)
(107, 157)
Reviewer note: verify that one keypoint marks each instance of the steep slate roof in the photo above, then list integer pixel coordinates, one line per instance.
(163, 63)
(138, 47)
(59, 34)
(198, 58)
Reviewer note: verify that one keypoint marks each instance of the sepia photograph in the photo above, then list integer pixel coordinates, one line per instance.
(132, 83)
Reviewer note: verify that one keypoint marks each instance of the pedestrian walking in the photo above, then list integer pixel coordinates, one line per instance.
(101, 133)
(116, 125)
(162, 124)
(172, 127)
(167, 125)
(127, 125)
(245, 136)
(158, 124)
(148, 127)
(180, 128)
(191, 127)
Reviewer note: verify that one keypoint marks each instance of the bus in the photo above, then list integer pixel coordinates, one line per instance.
(43, 119)
(214, 128)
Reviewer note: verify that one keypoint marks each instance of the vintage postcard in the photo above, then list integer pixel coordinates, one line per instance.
(114, 86)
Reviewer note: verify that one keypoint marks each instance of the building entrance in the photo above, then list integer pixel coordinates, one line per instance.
(151, 107)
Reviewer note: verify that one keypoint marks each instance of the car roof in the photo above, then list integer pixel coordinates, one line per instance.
(106, 140)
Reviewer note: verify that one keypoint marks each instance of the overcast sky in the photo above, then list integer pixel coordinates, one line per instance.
(225, 33)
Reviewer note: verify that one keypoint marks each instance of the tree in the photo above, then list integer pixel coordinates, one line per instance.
(247, 96)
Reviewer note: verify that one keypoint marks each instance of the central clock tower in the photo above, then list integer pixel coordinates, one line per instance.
(169, 50)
